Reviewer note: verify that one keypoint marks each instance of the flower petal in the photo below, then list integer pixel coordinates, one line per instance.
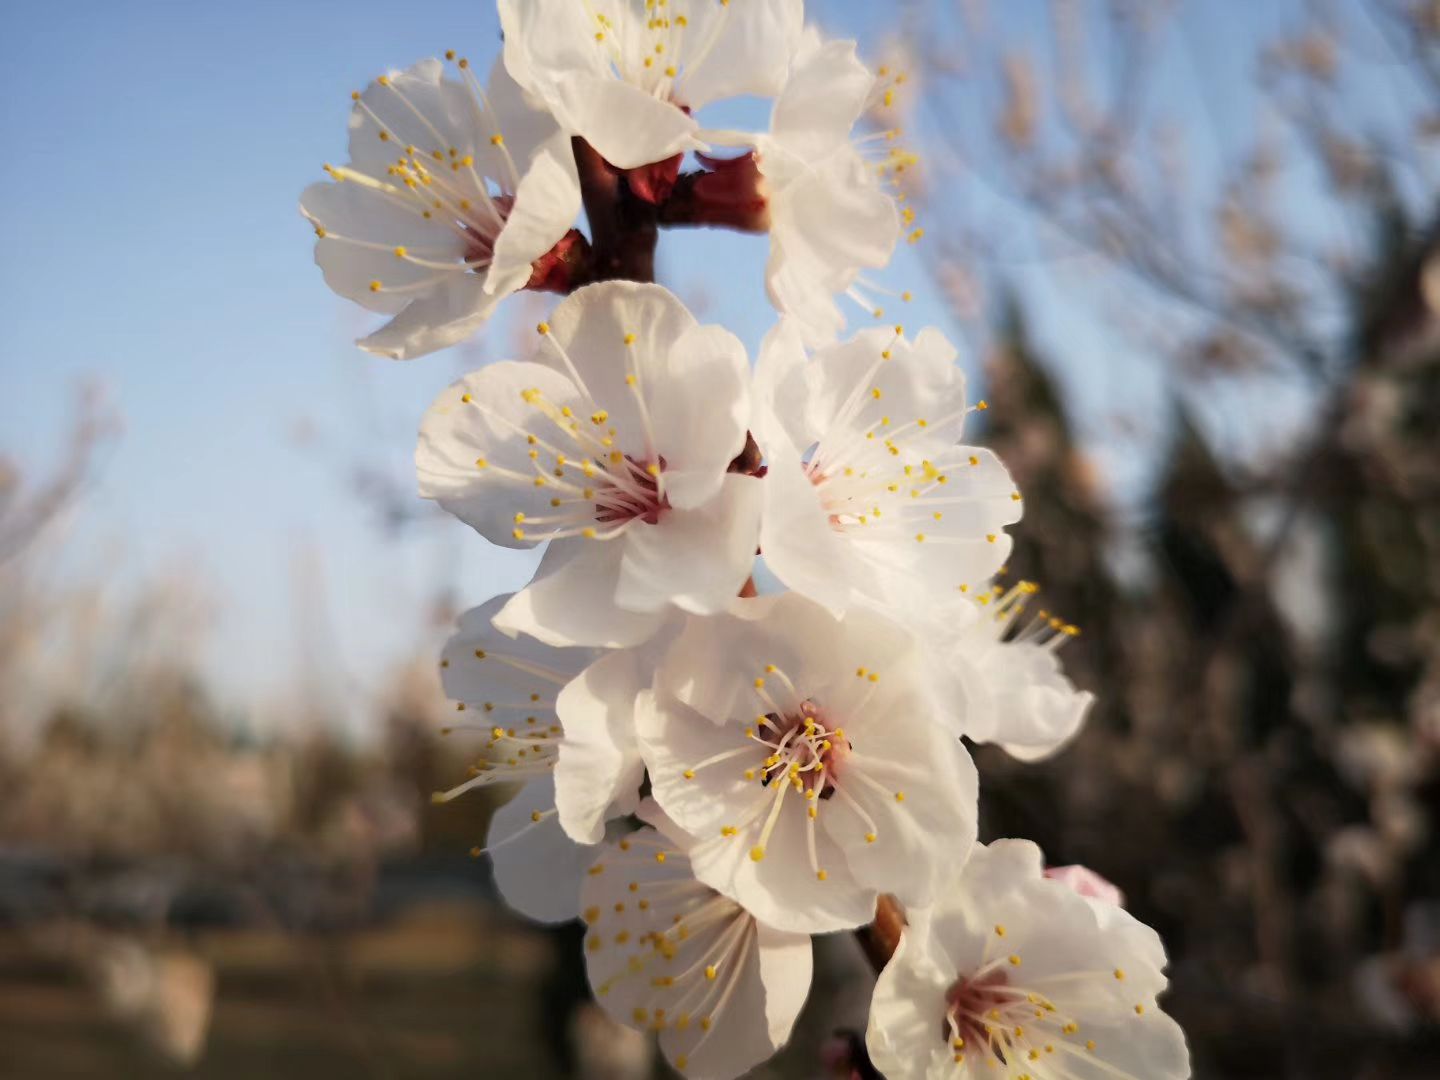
(546, 205)
(446, 315)
(697, 560)
(473, 455)
(571, 600)
(538, 869)
(600, 769)
(821, 101)
(738, 48)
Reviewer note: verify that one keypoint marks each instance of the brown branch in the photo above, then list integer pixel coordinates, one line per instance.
(623, 229)
(882, 937)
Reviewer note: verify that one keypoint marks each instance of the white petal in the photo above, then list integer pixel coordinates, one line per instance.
(697, 560)
(600, 768)
(779, 388)
(538, 869)
(503, 676)
(800, 546)
(781, 889)
(548, 39)
(473, 456)
(920, 794)
(419, 108)
(749, 53)
(546, 206)
(699, 404)
(445, 315)
(591, 326)
(350, 211)
(521, 118)
(823, 97)
(902, 1013)
(665, 953)
(627, 126)
(826, 224)
(571, 600)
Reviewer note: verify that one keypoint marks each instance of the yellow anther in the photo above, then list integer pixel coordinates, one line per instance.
(821, 875)
(981, 405)
(629, 339)
(375, 286)
(1014, 959)
(465, 399)
(899, 796)
(1119, 974)
(757, 854)
(1000, 929)
(689, 774)
(869, 838)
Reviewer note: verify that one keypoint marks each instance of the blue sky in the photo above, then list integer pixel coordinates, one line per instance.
(155, 152)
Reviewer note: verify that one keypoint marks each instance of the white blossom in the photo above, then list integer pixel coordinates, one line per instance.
(505, 693)
(668, 954)
(612, 444)
(869, 496)
(804, 754)
(627, 75)
(1010, 974)
(830, 217)
(999, 663)
(451, 195)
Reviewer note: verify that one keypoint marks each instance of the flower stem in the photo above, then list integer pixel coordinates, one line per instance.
(623, 229)
(880, 939)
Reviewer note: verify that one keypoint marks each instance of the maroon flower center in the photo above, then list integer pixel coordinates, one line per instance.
(807, 749)
(973, 1006)
(635, 494)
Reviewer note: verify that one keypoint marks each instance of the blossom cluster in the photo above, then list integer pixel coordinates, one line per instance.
(710, 777)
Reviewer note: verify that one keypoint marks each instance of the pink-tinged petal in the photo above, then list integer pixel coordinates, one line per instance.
(1086, 882)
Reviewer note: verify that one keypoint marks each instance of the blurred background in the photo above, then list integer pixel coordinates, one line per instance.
(1192, 249)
